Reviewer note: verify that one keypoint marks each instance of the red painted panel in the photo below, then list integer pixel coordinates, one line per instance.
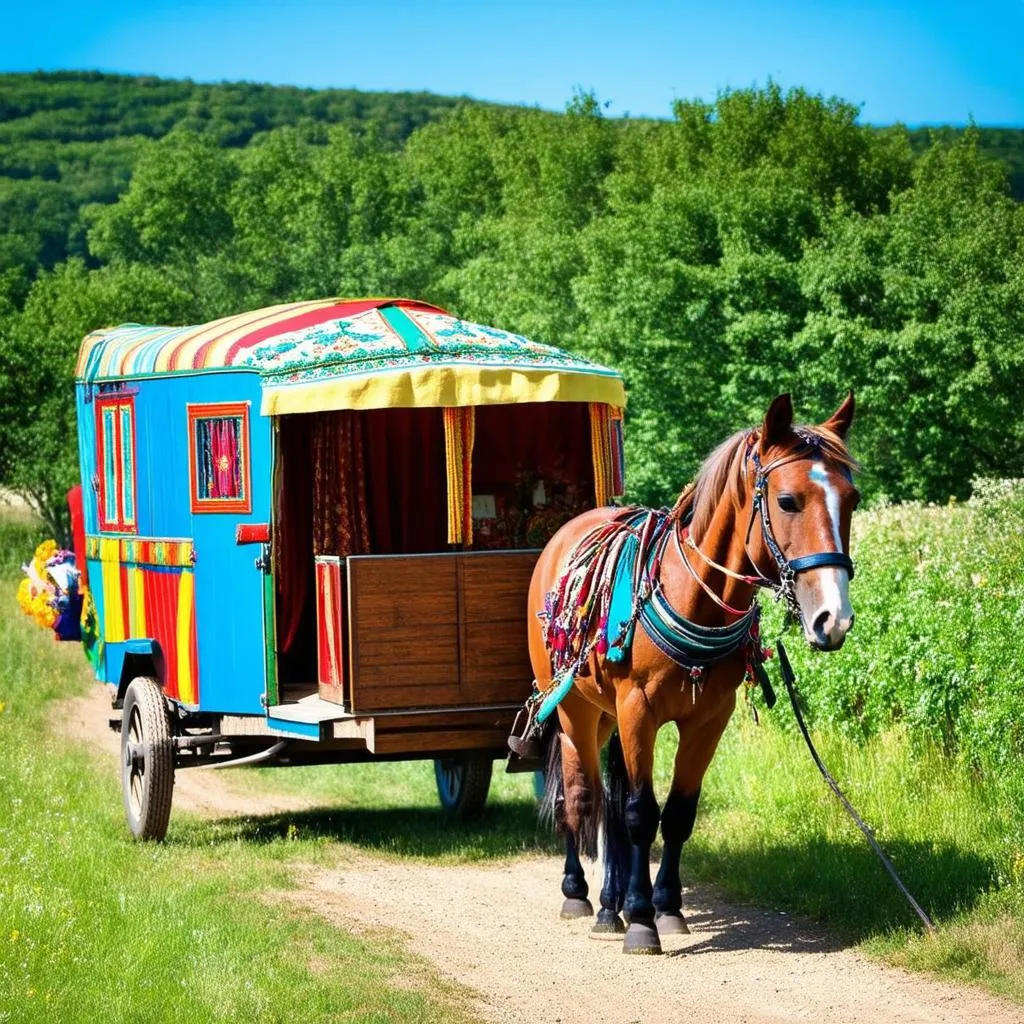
(125, 600)
(328, 622)
(77, 513)
(252, 533)
(161, 590)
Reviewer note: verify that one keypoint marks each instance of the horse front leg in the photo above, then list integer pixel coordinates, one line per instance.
(696, 749)
(637, 732)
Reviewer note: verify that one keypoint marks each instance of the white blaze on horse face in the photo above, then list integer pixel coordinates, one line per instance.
(823, 593)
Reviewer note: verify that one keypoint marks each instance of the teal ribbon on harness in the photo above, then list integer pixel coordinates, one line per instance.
(621, 621)
(555, 696)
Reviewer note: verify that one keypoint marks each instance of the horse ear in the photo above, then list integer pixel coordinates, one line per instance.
(840, 421)
(777, 422)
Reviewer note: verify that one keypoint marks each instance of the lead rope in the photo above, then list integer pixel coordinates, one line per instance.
(790, 680)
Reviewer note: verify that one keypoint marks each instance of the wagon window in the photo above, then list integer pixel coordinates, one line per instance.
(116, 415)
(219, 444)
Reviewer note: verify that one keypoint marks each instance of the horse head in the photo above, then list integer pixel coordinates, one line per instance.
(801, 495)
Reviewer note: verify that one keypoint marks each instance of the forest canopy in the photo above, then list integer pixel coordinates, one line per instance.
(764, 242)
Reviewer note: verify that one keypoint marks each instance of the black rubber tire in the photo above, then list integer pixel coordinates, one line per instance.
(463, 781)
(147, 779)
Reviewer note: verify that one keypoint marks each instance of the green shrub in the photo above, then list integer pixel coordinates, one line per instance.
(939, 599)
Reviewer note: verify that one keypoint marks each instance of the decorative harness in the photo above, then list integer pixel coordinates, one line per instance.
(587, 612)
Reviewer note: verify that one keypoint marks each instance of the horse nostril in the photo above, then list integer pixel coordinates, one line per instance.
(822, 623)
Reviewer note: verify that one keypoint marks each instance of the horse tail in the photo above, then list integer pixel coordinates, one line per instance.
(616, 794)
(552, 803)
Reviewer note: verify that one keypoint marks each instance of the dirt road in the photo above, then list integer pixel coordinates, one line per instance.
(496, 929)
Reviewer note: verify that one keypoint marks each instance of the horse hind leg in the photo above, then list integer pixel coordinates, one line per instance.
(609, 923)
(572, 798)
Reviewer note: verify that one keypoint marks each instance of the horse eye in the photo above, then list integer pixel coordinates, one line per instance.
(788, 503)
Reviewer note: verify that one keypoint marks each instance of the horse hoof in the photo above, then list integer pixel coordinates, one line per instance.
(608, 925)
(671, 924)
(642, 938)
(573, 908)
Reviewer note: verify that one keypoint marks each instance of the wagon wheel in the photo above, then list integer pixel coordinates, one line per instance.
(462, 783)
(147, 759)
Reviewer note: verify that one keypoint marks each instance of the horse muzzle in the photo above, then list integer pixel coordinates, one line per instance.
(825, 611)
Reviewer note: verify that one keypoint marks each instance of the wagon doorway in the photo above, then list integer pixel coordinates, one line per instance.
(426, 588)
(348, 483)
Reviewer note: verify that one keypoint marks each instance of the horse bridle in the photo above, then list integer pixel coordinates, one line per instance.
(788, 568)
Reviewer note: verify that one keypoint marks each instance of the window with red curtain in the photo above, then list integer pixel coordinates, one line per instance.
(115, 440)
(219, 474)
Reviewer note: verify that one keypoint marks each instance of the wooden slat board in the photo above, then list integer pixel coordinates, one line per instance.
(438, 630)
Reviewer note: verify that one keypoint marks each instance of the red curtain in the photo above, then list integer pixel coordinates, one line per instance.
(407, 496)
(293, 533)
(340, 523)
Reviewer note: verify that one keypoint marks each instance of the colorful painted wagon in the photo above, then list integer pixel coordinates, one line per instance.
(308, 533)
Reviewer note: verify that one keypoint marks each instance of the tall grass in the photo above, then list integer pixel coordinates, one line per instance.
(770, 832)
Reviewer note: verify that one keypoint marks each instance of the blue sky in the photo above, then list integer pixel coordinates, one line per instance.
(916, 62)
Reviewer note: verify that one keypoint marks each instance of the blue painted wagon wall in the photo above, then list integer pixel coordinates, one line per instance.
(228, 587)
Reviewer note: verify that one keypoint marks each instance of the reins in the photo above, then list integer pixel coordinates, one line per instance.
(789, 678)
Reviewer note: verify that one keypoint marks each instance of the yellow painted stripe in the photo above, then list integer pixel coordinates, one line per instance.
(186, 593)
(227, 331)
(168, 353)
(113, 616)
(136, 603)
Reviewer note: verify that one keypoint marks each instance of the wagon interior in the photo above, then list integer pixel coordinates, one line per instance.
(375, 610)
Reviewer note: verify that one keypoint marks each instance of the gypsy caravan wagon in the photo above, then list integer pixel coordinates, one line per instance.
(308, 533)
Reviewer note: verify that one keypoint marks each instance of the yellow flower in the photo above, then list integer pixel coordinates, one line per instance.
(15, 935)
(44, 552)
(3, 707)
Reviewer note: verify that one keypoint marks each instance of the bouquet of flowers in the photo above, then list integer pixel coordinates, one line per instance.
(50, 592)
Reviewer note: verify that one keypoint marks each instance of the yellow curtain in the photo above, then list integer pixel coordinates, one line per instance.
(601, 450)
(459, 430)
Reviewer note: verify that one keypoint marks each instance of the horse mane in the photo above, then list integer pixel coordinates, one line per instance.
(724, 466)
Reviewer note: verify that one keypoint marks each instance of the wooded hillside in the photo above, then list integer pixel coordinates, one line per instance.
(760, 243)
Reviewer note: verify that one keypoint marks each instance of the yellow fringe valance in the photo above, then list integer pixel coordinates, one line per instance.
(459, 431)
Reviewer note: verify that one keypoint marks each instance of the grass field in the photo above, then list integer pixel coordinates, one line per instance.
(93, 925)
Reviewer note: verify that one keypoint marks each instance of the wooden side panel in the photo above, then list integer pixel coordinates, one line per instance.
(329, 611)
(438, 630)
(403, 632)
(495, 659)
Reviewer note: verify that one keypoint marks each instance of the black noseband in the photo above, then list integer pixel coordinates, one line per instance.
(818, 561)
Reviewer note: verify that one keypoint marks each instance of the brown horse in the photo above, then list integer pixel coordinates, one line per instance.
(771, 507)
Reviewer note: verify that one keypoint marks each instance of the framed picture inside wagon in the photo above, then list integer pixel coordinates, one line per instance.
(335, 511)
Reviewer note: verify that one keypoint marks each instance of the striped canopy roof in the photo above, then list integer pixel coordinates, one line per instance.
(355, 354)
